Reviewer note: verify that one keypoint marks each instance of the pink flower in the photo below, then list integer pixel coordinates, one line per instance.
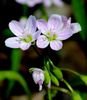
(25, 34)
(57, 28)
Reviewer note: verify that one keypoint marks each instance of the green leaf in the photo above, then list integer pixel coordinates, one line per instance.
(58, 73)
(47, 77)
(84, 78)
(78, 8)
(16, 56)
(12, 75)
(54, 80)
(76, 96)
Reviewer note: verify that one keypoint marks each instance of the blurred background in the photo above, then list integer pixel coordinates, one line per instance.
(73, 55)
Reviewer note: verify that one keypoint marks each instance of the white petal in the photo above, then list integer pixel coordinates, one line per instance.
(47, 3)
(55, 23)
(16, 28)
(58, 3)
(23, 21)
(56, 45)
(21, 1)
(30, 27)
(42, 26)
(12, 42)
(42, 41)
(65, 34)
(75, 27)
(40, 87)
(36, 35)
(24, 46)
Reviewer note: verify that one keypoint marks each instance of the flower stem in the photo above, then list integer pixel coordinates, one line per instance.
(49, 94)
(61, 89)
(68, 85)
(71, 71)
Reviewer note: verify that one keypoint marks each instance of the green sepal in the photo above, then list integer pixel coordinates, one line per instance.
(54, 79)
(47, 77)
(58, 73)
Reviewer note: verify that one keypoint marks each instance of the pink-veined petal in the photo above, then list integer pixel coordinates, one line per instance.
(75, 27)
(65, 34)
(42, 26)
(36, 35)
(24, 46)
(55, 23)
(56, 45)
(42, 41)
(16, 28)
(30, 27)
(12, 42)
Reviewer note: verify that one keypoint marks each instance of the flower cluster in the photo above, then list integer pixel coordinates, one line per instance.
(51, 33)
(47, 3)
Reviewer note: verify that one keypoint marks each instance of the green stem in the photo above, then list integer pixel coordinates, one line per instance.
(49, 94)
(61, 89)
(71, 71)
(68, 85)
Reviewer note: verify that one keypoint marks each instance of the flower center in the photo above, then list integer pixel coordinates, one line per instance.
(27, 39)
(52, 37)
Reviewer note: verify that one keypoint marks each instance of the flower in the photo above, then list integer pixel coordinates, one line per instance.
(48, 3)
(57, 29)
(23, 21)
(25, 35)
(38, 77)
(30, 3)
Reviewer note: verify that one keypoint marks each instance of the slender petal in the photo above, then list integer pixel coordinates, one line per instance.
(42, 41)
(30, 25)
(36, 35)
(75, 27)
(24, 46)
(56, 45)
(42, 26)
(16, 28)
(12, 42)
(55, 23)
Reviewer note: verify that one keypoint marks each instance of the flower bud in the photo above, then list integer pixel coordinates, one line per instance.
(38, 77)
